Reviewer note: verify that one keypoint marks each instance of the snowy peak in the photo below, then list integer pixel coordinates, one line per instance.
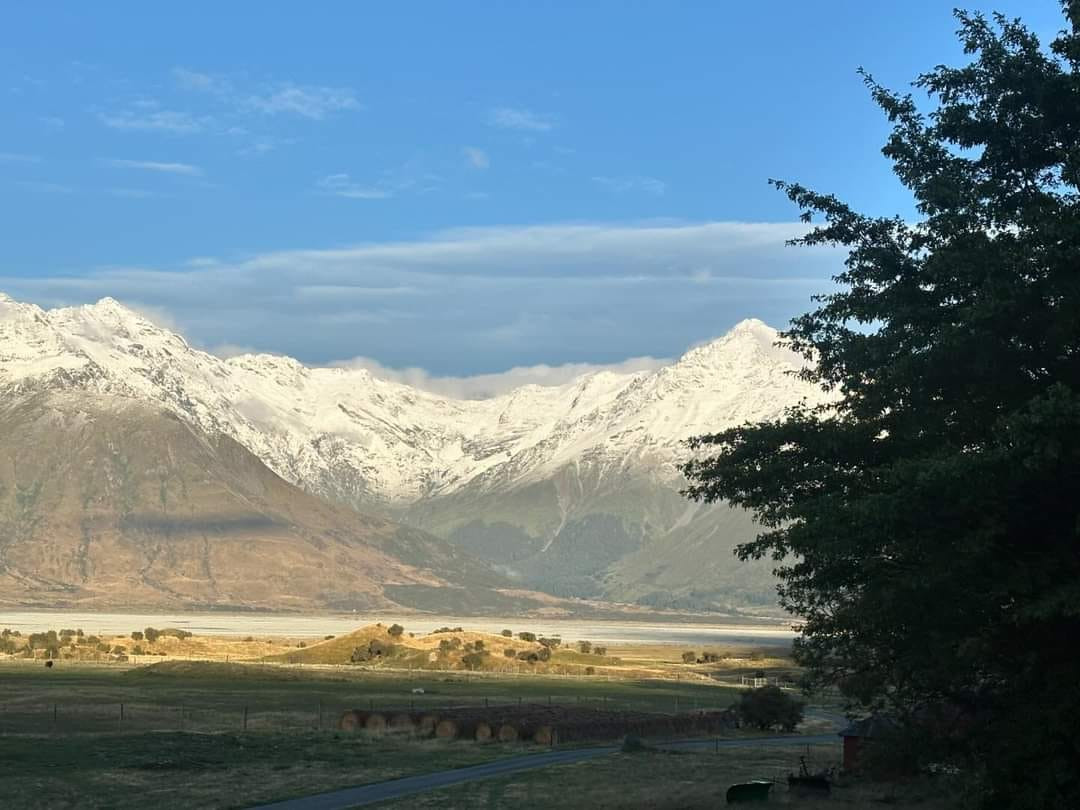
(356, 437)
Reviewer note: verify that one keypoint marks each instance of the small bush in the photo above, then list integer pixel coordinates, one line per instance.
(118, 650)
(599, 650)
(544, 653)
(137, 650)
(526, 636)
(550, 643)
(506, 633)
(590, 670)
(176, 632)
(327, 638)
(151, 634)
(632, 744)
(509, 652)
(249, 638)
(689, 657)
(528, 656)
(395, 630)
(584, 647)
(137, 635)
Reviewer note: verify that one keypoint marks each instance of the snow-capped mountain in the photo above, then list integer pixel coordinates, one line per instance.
(516, 476)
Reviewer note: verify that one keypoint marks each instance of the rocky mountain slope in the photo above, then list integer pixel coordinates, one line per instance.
(571, 488)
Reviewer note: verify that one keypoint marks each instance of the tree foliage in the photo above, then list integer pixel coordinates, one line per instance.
(926, 523)
(770, 707)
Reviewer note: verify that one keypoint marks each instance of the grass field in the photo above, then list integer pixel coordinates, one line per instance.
(664, 780)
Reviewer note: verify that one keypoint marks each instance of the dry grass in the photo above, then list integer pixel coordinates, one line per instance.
(658, 780)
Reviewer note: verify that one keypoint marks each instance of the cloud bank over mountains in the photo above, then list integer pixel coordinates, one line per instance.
(473, 301)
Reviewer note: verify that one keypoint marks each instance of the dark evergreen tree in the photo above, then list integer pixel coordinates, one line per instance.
(926, 524)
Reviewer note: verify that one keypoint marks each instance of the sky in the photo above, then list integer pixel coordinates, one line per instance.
(447, 189)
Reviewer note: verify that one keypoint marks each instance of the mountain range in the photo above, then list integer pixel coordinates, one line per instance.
(136, 468)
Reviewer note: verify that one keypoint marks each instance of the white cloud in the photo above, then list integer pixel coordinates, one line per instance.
(520, 118)
(476, 158)
(622, 185)
(152, 120)
(483, 386)
(308, 102)
(341, 185)
(157, 166)
(133, 193)
(472, 300)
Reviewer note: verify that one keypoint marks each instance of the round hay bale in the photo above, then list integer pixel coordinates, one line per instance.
(350, 720)
(402, 724)
(446, 729)
(507, 733)
(483, 732)
(375, 723)
(543, 736)
(426, 726)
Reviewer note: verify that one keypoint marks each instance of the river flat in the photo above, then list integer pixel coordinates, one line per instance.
(316, 626)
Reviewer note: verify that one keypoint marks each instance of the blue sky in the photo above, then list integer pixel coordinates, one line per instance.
(461, 188)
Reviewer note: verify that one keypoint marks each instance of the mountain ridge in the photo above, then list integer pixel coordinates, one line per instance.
(539, 473)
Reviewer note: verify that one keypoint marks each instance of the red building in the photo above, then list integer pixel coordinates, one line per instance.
(858, 736)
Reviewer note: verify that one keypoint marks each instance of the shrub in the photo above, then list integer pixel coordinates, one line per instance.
(103, 647)
(302, 644)
(474, 660)
(137, 635)
(509, 652)
(478, 644)
(599, 650)
(137, 650)
(770, 707)
(526, 636)
(67, 633)
(544, 653)
(507, 633)
(551, 643)
(374, 649)
(395, 630)
(151, 634)
(584, 647)
(528, 656)
(327, 638)
(590, 670)
(118, 650)
(177, 633)
(249, 638)
(689, 657)
(632, 744)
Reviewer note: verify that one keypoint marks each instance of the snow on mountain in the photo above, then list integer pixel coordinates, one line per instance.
(355, 437)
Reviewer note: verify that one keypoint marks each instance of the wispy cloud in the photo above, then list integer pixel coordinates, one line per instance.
(476, 158)
(520, 119)
(151, 120)
(53, 123)
(622, 185)
(341, 185)
(308, 102)
(487, 298)
(156, 166)
(314, 102)
(17, 157)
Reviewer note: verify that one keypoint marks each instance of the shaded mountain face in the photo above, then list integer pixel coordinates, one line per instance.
(571, 488)
(112, 502)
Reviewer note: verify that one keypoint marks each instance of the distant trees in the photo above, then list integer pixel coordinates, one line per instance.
(770, 707)
(473, 660)
(689, 657)
(395, 630)
(552, 642)
(584, 647)
(527, 636)
(508, 633)
(136, 635)
(372, 651)
(151, 634)
(599, 650)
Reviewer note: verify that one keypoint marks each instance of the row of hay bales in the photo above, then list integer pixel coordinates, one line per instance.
(543, 725)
